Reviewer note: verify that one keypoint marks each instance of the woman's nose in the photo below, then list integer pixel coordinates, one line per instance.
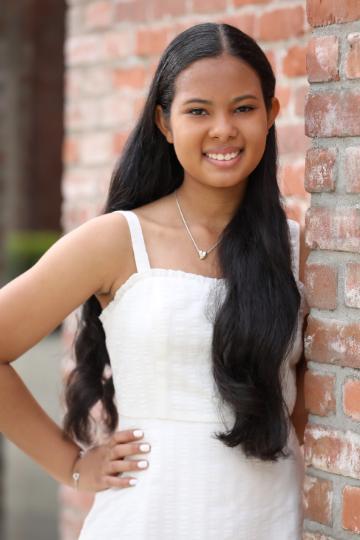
(223, 128)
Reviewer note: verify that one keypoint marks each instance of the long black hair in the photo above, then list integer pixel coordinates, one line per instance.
(256, 324)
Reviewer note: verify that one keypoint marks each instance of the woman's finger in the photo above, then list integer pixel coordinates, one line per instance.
(119, 482)
(122, 450)
(125, 436)
(124, 465)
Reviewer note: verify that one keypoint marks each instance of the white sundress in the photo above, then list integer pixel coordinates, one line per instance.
(158, 333)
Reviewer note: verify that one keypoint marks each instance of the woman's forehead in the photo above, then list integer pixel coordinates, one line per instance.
(219, 75)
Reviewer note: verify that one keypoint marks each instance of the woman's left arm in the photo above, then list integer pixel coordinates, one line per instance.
(299, 416)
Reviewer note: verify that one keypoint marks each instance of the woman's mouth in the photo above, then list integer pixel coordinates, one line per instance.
(223, 160)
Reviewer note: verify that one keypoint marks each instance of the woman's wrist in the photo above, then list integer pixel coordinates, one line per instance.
(75, 471)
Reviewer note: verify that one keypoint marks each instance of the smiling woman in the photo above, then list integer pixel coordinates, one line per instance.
(222, 141)
(191, 328)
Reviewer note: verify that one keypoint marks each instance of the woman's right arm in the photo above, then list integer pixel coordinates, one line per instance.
(32, 306)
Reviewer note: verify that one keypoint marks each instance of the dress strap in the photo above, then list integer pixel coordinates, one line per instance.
(137, 240)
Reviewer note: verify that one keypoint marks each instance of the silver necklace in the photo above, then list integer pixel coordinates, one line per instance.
(201, 252)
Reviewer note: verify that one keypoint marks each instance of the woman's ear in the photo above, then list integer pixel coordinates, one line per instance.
(273, 111)
(162, 123)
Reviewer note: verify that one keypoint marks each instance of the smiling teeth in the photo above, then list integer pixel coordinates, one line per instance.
(223, 157)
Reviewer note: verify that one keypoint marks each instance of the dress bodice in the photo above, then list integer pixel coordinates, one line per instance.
(158, 332)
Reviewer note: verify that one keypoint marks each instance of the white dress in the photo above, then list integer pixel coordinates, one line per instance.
(158, 333)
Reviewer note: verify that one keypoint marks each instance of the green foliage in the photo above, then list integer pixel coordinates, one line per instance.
(24, 248)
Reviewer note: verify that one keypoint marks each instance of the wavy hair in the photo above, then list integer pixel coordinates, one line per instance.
(256, 325)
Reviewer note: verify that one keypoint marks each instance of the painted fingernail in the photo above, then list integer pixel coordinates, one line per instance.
(138, 433)
(144, 447)
(132, 482)
(142, 464)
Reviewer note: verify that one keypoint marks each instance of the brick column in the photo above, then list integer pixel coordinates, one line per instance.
(332, 343)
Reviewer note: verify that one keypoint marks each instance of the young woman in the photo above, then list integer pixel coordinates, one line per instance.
(190, 289)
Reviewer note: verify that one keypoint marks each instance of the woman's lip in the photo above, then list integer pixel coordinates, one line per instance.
(224, 164)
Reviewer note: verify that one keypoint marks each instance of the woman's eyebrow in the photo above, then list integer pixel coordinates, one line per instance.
(207, 102)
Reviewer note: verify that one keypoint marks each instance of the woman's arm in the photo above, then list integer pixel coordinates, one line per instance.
(80, 264)
(299, 416)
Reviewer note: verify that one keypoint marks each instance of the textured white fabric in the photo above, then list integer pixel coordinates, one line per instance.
(158, 334)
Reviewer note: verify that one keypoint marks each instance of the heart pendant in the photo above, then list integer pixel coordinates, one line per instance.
(202, 254)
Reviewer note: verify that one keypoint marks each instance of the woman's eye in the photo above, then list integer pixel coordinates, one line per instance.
(197, 112)
(203, 112)
(245, 108)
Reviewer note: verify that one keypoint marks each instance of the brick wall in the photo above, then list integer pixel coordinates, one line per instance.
(332, 343)
(111, 51)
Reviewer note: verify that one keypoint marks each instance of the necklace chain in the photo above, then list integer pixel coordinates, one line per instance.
(202, 253)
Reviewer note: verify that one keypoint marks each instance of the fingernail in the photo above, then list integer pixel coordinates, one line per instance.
(144, 447)
(142, 464)
(138, 433)
(133, 482)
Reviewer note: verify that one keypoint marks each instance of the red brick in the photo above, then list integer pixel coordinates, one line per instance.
(70, 151)
(132, 11)
(324, 12)
(138, 104)
(118, 44)
(332, 450)
(283, 95)
(301, 94)
(351, 398)
(333, 114)
(352, 169)
(119, 141)
(352, 65)
(133, 77)
(81, 115)
(206, 6)
(73, 84)
(96, 81)
(318, 500)
(98, 15)
(80, 182)
(333, 228)
(321, 285)
(320, 171)
(116, 111)
(151, 41)
(352, 284)
(295, 209)
(291, 139)
(159, 9)
(271, 56)
(96, 148)
(351, 509)
(281, 24)
(86, 49)
(238, 3)
(320, 393)
(291, 178)
(322, 59)
(332, 342)
(294, 64)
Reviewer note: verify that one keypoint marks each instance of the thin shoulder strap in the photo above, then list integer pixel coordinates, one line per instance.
(137, 240)
(294, 229)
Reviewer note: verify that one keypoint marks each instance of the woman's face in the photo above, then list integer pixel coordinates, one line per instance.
(218, 121)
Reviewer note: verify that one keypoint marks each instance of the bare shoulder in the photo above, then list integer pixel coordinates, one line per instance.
(81, 263)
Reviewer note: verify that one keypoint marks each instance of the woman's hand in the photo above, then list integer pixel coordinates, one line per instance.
(100, 467)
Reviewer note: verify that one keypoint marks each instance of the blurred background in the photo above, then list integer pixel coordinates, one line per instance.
(32, 34)
(73, 77)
